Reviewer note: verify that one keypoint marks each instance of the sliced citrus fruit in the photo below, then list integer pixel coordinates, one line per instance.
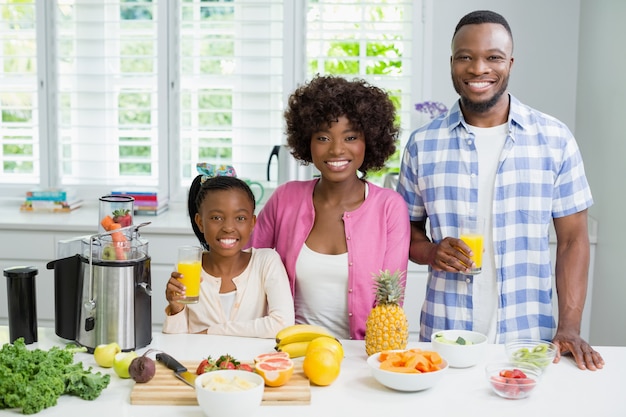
(275, 371)
(271, 355)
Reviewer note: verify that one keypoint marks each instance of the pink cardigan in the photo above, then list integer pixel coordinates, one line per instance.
(378, 235)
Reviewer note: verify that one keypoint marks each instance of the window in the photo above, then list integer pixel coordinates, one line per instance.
(98, 95)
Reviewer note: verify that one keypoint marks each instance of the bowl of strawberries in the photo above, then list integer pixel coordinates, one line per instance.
(512, 380)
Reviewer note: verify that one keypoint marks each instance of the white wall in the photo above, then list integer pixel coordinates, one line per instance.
(568, 63)
(545, 35)
(600, 131)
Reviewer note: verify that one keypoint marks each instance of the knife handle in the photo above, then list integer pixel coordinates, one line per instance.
(170, 362)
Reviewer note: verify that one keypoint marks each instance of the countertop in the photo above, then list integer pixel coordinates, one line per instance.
(84, 220)
(564, 389)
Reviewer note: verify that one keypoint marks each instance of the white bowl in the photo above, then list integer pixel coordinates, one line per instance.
(404, 382)
(460, 356)
(229, 403)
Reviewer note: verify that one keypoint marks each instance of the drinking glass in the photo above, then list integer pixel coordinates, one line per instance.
(472, 233)
(190, 265)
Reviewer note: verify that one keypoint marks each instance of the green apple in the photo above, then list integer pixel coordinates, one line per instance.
(121, 363)
(105, 354)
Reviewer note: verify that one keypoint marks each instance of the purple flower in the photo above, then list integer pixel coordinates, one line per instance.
(433, 108)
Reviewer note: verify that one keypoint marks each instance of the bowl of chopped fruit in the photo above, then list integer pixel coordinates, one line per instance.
(536, 352)
(408, 369)
(229, 393)
(461, 348)
(511, 380)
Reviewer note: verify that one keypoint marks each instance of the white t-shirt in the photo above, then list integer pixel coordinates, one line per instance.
(489, 143)
(321, 291)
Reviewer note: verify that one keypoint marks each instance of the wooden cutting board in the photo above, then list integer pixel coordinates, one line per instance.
(166, 389)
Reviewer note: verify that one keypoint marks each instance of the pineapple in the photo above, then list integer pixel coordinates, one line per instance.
(387, 327)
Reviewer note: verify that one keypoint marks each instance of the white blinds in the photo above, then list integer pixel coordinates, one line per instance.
(106, 78)
(100, 94)
(19, 108)
(231, 78)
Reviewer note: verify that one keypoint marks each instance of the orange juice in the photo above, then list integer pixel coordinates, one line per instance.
(475, 242)
(191, 280)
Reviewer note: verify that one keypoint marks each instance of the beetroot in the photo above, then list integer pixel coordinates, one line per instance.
(142, 369)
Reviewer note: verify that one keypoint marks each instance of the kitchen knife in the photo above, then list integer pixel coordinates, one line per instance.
(179, 369)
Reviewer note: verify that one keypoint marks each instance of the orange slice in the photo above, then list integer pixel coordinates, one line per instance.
(274, 370)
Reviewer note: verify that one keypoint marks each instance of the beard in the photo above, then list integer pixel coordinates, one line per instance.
(480, 106)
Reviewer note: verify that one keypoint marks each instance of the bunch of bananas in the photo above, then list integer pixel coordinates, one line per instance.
(295, 339)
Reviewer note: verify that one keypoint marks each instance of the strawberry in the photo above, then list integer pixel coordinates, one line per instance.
(223, 362)
(245, 367)
(517, 373)
(123, 217)
(207, 365)
(227, 362)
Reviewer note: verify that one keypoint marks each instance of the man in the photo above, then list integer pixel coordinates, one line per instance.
(492, 156)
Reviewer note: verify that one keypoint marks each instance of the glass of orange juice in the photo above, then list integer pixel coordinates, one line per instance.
(472, 233)
(189, 265)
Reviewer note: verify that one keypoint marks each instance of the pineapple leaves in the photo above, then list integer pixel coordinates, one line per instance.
(389, 287)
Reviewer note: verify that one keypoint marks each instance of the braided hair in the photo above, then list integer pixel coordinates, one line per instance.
(199, 191)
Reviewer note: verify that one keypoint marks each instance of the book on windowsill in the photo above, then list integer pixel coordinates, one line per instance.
(147, 200)
(44, 206)
(51, 194)
(150, 211)
(138, 193)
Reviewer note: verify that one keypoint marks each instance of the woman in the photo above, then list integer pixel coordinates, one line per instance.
(335, 232)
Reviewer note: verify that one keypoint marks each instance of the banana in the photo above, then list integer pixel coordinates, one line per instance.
(300, 333)
(295, 349)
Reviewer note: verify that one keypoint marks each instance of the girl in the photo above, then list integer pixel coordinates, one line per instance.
(243, 292)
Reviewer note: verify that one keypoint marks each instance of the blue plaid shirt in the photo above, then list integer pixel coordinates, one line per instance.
(540, 176)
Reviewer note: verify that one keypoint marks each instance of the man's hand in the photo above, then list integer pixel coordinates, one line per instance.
(584, 355)
(450, 255)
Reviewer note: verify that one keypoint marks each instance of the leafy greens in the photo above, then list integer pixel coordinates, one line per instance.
(32, 380)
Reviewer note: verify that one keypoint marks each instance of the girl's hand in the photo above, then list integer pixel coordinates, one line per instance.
(175, 291)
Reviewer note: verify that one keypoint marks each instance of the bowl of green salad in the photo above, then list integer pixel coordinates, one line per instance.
(536, 352)
(460, 348)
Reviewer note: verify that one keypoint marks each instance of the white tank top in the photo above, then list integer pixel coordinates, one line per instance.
(489, 143)
(228, 300)
(321, 291)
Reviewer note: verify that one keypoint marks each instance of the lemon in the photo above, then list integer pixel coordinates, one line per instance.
(121, 363)
(104, 354)
(329, 343)
(321, 366)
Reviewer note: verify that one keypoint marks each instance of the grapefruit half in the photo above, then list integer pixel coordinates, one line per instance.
(275, 371)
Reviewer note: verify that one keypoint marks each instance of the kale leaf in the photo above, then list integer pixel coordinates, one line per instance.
(32, 380)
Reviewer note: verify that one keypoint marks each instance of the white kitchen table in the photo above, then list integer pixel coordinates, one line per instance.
(564, 390)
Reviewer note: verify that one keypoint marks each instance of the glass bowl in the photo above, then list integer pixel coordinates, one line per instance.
(512, 381)
(531, 351)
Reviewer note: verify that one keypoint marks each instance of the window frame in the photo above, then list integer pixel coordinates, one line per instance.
(168, 80)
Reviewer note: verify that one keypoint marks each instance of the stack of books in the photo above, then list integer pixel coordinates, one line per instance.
(51, 200)
(147, 201)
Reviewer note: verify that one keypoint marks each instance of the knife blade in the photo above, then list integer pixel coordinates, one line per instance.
(179, 369)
